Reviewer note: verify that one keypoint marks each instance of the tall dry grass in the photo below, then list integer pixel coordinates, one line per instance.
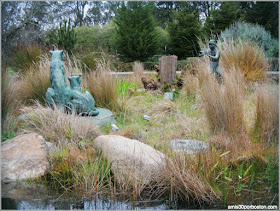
(58, 127)
(35, 81)
(191, 84)
(9, 93)
(138, 70)
(223, 103)
(10, 101)
(266, 127)
(102, 85)
(249, 59)
(184, 181)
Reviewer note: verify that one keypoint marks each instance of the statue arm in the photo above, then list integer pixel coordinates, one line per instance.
(217, 55)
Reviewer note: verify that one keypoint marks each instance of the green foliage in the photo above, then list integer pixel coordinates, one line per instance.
(255, 34)
(8, 135)
(183, 31)
(263, 13)
(94, 38)
(24, 56)
(124, 86)
(136, 36)
(227, 14)
(67, 37)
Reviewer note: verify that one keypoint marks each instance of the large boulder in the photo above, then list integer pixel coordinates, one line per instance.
(23, 157)
(131, 159)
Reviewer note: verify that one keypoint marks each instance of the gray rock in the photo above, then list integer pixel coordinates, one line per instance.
(189, 146)
(22, 117)
(104, 117)
(131, 159)
(23, 157)
(168, 95)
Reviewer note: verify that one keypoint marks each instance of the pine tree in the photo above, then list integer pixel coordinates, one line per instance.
(66, 36)
(136, 36)
(222, 15)
(183, 31)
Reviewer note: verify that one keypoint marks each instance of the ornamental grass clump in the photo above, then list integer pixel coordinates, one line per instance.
(223, 103)
(102, 85)
(35, 81)
(58, 127)
(248, 58)
(266, 127)
(185, 183)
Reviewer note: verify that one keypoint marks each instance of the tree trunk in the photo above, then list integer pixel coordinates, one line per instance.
(168, 67)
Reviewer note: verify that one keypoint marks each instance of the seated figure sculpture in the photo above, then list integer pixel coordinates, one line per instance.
(68, 98)
(214, 56)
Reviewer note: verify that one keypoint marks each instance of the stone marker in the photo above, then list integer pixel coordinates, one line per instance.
(167, 68)
(23, 157)
(131, 159)
(189, 146)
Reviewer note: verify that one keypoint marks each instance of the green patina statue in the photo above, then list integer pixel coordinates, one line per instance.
(68, 98)
(214, 56)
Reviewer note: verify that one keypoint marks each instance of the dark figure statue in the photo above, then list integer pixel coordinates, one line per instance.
(68, 98)
(214, 56)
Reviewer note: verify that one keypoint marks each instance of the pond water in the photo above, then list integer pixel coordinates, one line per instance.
(40, 197)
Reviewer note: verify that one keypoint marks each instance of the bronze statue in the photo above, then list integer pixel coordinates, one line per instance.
(68, 98)
(214, 56)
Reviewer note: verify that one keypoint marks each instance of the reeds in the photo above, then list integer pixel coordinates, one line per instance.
(266, 127)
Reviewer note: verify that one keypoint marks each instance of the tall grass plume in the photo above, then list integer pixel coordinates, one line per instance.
(266, 127)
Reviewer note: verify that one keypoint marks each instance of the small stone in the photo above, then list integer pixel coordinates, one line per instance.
(168, 95)
(189, 146)
(114, 127)
(146, 117)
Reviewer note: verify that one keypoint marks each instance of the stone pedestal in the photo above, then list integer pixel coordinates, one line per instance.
(168, 67)
(104, 117)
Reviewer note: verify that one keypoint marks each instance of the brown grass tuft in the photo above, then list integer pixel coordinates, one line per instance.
(10, 100)
(250, 60)
(185, 182)
(58, 127)
(36, 81)
(266, 128)
(102, 85)
(223, 103)
(191, 84)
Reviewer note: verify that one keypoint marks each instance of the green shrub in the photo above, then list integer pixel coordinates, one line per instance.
(136, 36)
(24, 56)
(254, 34)
(94, 38)
(67, 37)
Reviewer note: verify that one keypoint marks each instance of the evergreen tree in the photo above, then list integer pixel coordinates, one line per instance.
(183, 31)
(66, 36)
(136, 36)
(222, 15)
(263, 13)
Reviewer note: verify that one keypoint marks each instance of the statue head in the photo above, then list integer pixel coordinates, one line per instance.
(57, 54)
(212, 44)
(75, 82)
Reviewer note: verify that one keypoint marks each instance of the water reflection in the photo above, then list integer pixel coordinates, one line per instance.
(13, 204)
(24, 196)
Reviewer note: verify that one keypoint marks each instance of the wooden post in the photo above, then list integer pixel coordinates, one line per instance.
(168, 67)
